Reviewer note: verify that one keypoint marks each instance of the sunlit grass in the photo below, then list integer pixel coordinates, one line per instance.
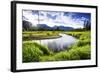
(32, 52)
(31, 35)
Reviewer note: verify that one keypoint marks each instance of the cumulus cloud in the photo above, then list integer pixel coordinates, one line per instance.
(52, 18)
(28, 16)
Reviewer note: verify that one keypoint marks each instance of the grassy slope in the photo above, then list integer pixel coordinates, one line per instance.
(33, 52)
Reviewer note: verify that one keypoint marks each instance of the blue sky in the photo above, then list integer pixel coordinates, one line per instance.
(52, 18)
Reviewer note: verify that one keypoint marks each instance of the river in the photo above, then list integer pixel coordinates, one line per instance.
(58, 44)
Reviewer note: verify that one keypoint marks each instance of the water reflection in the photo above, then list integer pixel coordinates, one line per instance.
(58, 43)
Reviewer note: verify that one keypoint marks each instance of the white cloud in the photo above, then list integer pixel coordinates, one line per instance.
(54, 18)
(31, 18)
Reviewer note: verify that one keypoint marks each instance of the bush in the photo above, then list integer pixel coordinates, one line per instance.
(48, 34)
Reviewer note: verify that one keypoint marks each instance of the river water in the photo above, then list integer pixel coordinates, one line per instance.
(58, 44)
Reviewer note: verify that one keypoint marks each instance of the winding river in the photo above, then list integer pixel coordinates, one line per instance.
(58, 44)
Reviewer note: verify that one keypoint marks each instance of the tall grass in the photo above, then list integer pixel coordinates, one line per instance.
(32, 52)
(76, 53)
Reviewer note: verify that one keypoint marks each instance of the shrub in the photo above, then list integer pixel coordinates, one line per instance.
(48, 34)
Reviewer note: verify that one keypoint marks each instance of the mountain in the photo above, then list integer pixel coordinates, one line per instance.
(26, 25)
(43, 27)
(65, 28)
(46, 27)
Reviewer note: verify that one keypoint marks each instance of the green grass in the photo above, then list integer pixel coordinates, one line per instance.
(75, 53)
(31, 35)
(33, 52)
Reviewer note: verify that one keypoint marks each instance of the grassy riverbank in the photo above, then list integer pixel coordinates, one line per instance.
(40, 35)
(34, 52)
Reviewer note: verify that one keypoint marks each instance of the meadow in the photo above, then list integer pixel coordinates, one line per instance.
(33, 35)
(34, 52)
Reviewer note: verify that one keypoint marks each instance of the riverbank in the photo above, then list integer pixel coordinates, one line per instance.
(34, 52)
(39, 35)
(78, 51)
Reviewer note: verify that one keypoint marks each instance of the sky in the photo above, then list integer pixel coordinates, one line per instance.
(56, 18)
